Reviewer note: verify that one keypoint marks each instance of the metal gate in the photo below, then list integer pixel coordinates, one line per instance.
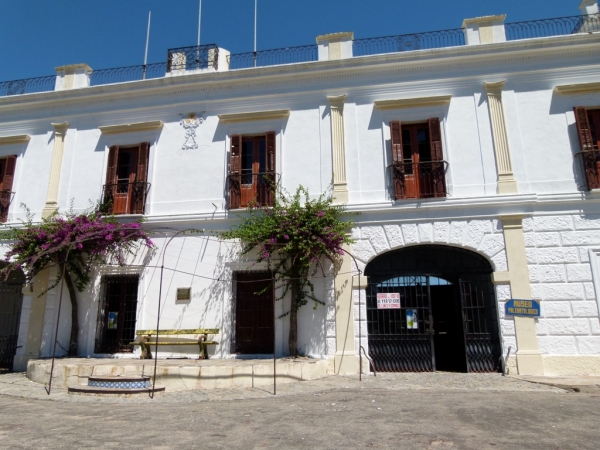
(11, 300)
(402, 339)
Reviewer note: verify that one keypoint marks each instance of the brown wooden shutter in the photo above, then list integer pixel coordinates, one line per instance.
(588, 156)
(398, 178)
(7, 185)
(9, 173)
(140, 188)
(111, 170)
(437, 157)
(271, 139)
(235, 156)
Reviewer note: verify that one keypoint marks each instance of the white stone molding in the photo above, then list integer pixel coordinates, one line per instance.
(594, 254)
(338, 146)
(506, 181)
(60, 131)
(255, 115)
(17, 139)
(132, 127)
(589, 7)
(484, 30)
(335, 46)
(575, 89)
(190, 124)
(72, 76)
(440, 100)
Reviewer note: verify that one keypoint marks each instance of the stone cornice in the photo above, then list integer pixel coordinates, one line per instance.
(18, 139)
(484, 19)
(581, 88)
(132, 127)
(332, 37)
(439, 100)
(256, 115)
(311, 72)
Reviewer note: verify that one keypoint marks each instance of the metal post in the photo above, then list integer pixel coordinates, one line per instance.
(359, 333)
(199, 25)
(274, 338)
(255, 13)
(146, 52)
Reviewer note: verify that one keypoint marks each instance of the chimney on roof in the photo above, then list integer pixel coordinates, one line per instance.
(589, 7)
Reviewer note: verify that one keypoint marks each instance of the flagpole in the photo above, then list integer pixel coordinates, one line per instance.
(199, 25)
(255, 13)
(146, 52)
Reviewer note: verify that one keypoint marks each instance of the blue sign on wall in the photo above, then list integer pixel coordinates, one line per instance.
(518, 307)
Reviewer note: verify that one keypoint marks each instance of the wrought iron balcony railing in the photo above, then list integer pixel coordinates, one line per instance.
(6, 198)
(129, 73)
(125, 198)
(408, 42)
(273, 57)
(252, 189)
(27, 86)
(192, 58)
(557, 26)
(418, 179)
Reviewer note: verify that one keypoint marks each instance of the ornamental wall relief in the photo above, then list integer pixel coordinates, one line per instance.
(190, 124)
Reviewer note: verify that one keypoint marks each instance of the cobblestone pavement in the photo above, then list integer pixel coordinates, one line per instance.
(16, 384)
(413, 411)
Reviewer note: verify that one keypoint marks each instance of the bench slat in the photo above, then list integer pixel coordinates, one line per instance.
(176, 343)
(175, 332)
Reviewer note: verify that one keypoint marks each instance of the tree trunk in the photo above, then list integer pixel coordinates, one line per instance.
(73, 344)
(293, 338)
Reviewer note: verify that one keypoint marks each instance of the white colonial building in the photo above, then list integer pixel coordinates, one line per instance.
(470, 154)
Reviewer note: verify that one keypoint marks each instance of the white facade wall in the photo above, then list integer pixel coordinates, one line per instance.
(562, 223)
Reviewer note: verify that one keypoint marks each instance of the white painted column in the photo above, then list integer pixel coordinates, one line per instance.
(589, 7)
(338, 145)
(506, 180)
(60, 131)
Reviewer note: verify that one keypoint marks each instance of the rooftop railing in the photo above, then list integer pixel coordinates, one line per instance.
(557, 26)
(207, 56)
(274, 57)
(408, 42)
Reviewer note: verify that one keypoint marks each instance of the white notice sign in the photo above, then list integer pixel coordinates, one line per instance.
(388, 301)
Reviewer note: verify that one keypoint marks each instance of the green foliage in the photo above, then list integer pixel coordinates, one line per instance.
(294, 236)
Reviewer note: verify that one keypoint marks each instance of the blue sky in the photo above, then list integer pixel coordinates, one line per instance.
(38, 35)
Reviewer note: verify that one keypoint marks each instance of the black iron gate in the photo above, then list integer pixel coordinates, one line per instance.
(461, 331)
(11, 300)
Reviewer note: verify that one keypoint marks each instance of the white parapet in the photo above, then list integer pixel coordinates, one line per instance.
(484, 30)
(589, 7)
(72, 76)
(335, 46)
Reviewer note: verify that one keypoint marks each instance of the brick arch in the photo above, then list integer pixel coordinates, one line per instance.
(483, 237)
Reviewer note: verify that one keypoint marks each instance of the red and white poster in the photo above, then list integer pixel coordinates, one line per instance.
(388, 301)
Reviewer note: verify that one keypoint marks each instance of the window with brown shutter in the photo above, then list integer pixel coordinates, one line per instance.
(588, 130)
(418, 166)
(127, 184)
(7, 174)
(252, 176)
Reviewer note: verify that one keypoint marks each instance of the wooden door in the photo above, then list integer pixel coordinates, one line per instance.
(254, 313)
(127, 164)
(417, 160)
(594, 121)
(253, 166)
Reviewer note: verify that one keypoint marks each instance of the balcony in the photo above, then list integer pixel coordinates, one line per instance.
(125, 198)
(6, 198)
(256, 189)
(418, 179)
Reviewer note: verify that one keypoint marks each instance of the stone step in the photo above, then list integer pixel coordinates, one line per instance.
(93, 390)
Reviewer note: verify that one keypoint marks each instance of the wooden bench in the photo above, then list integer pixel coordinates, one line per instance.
(145, 343)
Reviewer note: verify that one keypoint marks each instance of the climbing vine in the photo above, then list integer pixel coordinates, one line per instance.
(294, 236)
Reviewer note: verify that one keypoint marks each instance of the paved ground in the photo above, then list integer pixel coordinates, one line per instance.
(438, 411)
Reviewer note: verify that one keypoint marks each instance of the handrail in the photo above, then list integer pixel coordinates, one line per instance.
(362, 349)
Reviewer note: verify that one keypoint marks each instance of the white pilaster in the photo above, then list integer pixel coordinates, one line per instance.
(73, 76)
(484, 30)
(506, 181)
(338, 145)
(335, 46)
(60, 131)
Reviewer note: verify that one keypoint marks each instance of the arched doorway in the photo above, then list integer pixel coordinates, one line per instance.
(11, 301)
(432, 307)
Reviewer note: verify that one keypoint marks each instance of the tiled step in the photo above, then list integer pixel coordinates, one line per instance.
(124, 385)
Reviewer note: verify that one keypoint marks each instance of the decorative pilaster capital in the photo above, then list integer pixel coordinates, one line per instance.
(337, 101)
(494, 87)
(60, 128)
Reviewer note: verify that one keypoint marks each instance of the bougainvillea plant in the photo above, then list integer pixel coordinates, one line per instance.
(294, 236)
(75, 243)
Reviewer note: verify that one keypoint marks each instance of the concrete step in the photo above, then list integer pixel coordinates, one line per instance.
(93, 390)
